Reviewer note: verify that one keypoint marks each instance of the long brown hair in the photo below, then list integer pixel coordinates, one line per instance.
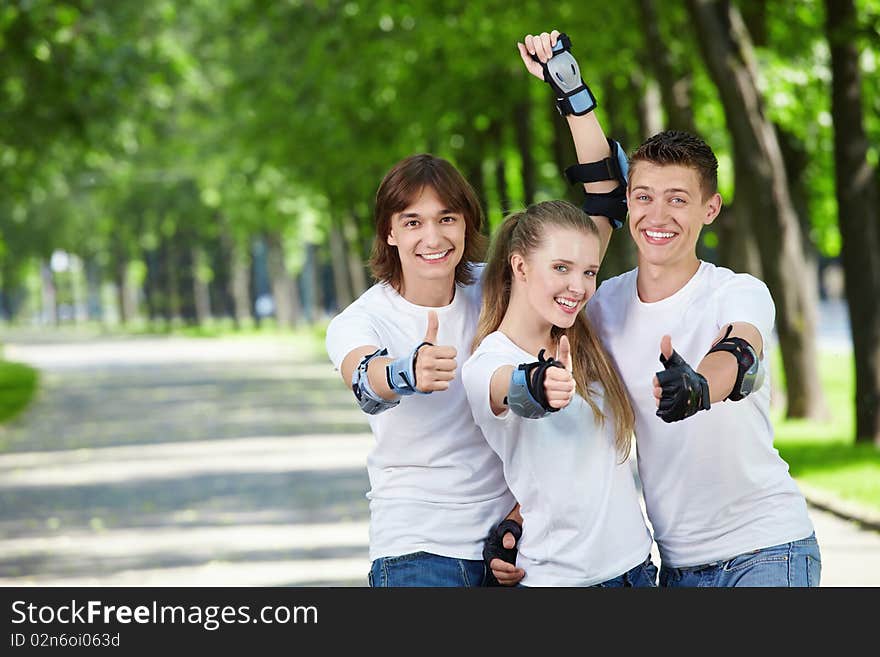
(523, 233)
(401, 187)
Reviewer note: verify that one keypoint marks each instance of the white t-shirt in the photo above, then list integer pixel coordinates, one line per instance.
(582, 522)
(435, 485)
(714, 485)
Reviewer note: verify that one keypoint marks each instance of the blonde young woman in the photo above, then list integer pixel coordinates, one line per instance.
(552, 406)
(723, 506)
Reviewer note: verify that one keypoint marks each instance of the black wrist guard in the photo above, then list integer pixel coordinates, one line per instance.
(684, 391)
(750, 373)
(606, 204)
(493, 547)
(526, 395)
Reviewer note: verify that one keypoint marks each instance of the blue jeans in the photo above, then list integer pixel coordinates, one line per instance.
(426, 569)
(643, 575)
(795, 564)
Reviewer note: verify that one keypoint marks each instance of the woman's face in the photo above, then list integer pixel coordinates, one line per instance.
(560, 276)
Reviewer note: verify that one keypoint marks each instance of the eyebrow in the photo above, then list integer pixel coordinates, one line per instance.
(416, 215)
(569, 262)
(677, 190)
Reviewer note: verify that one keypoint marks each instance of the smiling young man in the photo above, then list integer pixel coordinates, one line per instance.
(436, 487)
(724, 509)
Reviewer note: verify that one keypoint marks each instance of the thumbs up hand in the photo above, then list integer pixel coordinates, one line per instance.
(434, 365)
(433, 327)
(679, 391)
(559, 384)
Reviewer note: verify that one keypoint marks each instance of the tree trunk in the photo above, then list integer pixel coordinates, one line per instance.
(201, 295)
(172, 296)
(650, 107)
(522, 116)
(356, 261)
(49, 296)
(185, 278)
(737, 246)
(472, 169)
(496, 139)
(796, 159)
(675, 86)
(857, 197)
(284, 290)
(239, 275)
(150, 287)
(754, 13)
(762, 191)
(9, 289)
(120, 281)
(240, 286)
(564, 155)
(309, 279)
(339, 256)
(94, 307)
(501, 186)
(219, 259)
(620, 112)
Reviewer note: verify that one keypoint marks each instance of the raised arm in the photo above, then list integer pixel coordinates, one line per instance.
(601, 170)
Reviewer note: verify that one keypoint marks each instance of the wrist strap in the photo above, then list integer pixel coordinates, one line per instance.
(563, 74)
(401, 373)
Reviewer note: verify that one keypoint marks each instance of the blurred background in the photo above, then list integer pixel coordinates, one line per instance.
(186, 193)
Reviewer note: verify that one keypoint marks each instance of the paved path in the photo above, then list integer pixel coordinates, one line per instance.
(191, 462)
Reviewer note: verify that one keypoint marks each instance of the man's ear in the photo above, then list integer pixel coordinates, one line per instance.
(713, 207)
(392, 241)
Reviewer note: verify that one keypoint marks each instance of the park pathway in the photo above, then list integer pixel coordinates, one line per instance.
(210, 462)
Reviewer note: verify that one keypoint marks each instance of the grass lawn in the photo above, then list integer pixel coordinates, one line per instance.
(18, 383)
(823, 455)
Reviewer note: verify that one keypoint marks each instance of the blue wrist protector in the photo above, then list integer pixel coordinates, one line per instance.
(526, 396)
(370, 402)
(562, 73)
(401, 373)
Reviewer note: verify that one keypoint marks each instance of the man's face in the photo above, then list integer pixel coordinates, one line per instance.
(667, 212)
(429, 239)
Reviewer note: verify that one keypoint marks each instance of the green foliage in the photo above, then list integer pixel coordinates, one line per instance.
(125, 125)
(18, 383)
(823, 454)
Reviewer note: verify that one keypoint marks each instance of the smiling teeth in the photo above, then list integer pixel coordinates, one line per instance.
(566, 302)
(434, 256)
(656, 235)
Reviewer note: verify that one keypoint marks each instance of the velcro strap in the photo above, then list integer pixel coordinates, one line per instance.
(370, 402)
(613, 167)
(401, 373)
(526, 396)
(578, 102)
(607, 204)
(745, 359)
(592, 172)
